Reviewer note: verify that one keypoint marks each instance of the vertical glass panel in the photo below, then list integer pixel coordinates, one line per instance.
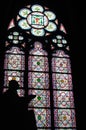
(38, 83)
(64, 113)
(14, 65)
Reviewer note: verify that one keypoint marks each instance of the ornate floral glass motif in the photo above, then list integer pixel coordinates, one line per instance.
(39, 80)
(43, 118)
(65, 117)
(42, 99)
(64, 99)
(61, 65)
(37, 19)
(15, 37)
(60, 41)
(62, 81)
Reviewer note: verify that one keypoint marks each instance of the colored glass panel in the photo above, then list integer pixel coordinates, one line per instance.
(23, 24)
(37, 8)
(51, 27)
(38, 63)
(50, 15)
(62, 81)
(37, 19)
(38, 80)
(64, 118)
(38, 50)
(43, 117)
(14, 62)
(63, 99)
(24, 12)
(61, 65)
(42, 98)
(37, 32)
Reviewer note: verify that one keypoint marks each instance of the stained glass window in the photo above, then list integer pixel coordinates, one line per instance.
(38, 53)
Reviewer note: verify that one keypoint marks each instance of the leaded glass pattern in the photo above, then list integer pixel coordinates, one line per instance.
(14, 67)
(62, 81)
(43, 118)
(38, 63)
(42, 99)
(61, 65)
(64, 113)
(38, 82)
(65, 117)
(63, 99)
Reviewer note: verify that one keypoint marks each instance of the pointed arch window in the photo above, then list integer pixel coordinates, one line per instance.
(38, 55)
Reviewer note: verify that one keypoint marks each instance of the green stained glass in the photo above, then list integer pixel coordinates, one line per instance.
(38, 63)
(43, 118)
(42, 98)
(39, 117)
(38, 79)
(39, 98)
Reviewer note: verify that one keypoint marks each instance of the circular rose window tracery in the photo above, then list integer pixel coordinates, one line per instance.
(37, 19)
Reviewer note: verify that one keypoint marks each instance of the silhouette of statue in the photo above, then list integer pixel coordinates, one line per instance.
(15, 113)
